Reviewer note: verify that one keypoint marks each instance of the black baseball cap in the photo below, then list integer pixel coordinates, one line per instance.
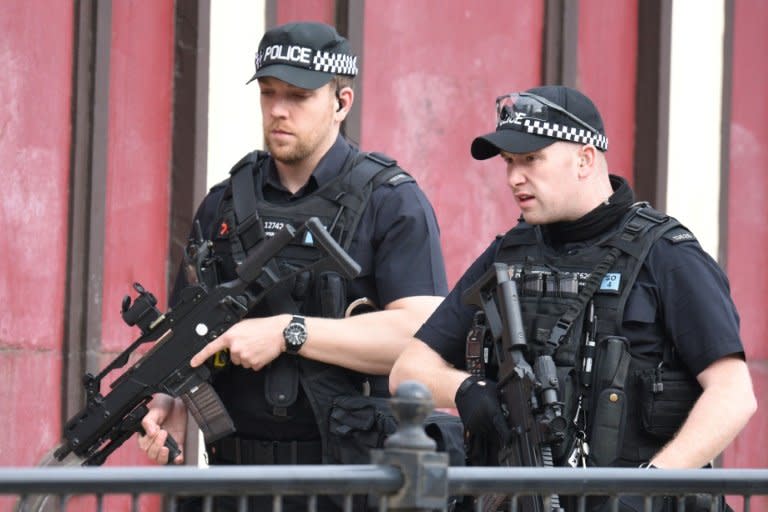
(533, 119)
(304, 54)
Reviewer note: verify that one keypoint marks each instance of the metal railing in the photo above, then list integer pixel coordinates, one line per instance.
(385, 482)
(407, 475)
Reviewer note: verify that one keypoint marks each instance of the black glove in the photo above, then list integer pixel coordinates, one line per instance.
(478, 404)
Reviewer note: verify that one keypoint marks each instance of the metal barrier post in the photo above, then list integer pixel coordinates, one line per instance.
(425, 472)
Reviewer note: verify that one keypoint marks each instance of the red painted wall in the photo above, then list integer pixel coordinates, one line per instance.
(139, 154)
(35, 86)
(297, 10)
(607, 73)
(429, 88)
(747, 214)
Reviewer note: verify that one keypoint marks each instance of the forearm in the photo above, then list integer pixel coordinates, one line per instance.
(718, 416)
(420, 363)
(370, 342)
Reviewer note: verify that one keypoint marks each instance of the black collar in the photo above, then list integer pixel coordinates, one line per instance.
(596, 222)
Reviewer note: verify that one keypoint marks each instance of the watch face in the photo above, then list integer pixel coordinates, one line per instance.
(295, 336)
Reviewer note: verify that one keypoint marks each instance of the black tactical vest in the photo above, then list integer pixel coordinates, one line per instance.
(246, 218)
(572, 307)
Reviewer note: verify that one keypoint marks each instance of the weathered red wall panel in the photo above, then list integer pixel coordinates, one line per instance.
(428, 89)
(748, 211)
(300, 10)
(139, 154)
(35, 90)
(607, 73)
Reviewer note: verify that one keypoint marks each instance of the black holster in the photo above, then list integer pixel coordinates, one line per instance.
(609, 400)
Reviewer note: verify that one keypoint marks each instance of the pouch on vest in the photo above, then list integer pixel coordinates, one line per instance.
(448, 432)
(330, 291)
(666, 398)
(539, 316)
(610, 400)
(357, 425)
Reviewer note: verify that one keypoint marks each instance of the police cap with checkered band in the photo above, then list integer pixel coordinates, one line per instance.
(304, 54)
(531, 120)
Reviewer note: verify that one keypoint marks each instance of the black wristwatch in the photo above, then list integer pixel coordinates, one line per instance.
(295, 334)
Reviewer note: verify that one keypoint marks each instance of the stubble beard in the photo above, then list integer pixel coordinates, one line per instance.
(289, 154)
(301, 149)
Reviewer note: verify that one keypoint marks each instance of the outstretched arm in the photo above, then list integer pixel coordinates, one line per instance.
(367, 343)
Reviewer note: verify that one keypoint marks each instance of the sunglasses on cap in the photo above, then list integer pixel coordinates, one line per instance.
(534, 114)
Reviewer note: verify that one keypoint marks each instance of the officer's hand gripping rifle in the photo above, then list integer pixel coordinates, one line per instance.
(528, 396)
(201, 314)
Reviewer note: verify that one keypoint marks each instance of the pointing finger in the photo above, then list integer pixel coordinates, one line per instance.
(207, 351)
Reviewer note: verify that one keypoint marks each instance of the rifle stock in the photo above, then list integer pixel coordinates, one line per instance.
(200, 315)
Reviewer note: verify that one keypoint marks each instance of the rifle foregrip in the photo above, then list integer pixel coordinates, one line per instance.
(211, 416)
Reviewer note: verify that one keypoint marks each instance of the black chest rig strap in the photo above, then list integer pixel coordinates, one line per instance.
(248, 229)
(369, 171)
(565, 322)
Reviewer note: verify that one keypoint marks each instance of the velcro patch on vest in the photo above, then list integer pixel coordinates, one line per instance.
(272, 226)
(679, 235)
(398, 178)
(611, 283)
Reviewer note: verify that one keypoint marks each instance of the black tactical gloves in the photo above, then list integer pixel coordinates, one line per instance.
(478, 405)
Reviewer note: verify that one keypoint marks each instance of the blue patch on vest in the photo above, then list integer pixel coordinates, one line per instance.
(611, 282)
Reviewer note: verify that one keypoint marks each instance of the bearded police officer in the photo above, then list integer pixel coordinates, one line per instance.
(636, 317)
(301, 349)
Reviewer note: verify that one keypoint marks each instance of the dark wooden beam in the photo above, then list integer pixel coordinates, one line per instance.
(561, 40)
(652, 101)
(88, 164)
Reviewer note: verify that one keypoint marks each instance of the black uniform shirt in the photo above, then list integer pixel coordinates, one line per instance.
(681, 294)
(397, 246)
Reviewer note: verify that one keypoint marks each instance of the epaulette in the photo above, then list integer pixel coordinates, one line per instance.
(389, 173)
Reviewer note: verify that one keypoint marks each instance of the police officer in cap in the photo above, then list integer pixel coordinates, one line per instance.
(636, 317)
(302, 347)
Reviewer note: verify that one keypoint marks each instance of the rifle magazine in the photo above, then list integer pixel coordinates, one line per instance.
(209, 413)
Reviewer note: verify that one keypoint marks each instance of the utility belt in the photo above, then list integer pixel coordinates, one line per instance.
(237, 450)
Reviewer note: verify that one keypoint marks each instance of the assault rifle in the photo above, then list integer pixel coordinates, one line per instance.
(528, 396)
(202, 313)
